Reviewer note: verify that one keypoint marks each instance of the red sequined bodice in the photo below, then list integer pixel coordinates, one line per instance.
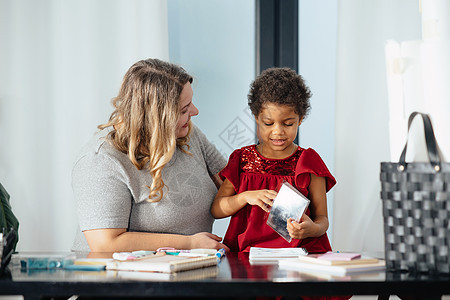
(253, 162)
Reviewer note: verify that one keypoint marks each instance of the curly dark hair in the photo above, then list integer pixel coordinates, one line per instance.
(281, 86)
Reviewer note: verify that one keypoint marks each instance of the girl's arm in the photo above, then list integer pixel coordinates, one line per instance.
(227, 202)
(119, 240)
(217, 180)
(317, 224)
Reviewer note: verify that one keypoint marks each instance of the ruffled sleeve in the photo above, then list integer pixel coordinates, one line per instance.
(310, 162)
(232, 169)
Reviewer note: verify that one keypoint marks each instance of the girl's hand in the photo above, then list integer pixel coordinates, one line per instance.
(306, 228)
(207, 240)
(261, 198)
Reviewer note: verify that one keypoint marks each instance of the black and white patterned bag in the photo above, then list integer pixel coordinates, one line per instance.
(416, 210)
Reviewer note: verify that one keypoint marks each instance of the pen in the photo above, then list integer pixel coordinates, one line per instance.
(191, 254)
(220, 253)
(199, 251)
(163, 249)
(176, 252)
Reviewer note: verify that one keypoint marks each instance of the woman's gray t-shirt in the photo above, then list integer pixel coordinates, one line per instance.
(110, 192)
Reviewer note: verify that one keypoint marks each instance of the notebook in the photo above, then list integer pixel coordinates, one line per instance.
(163, 263)
(340, 258)
(340, 270)
(190, 275)
(267, 255)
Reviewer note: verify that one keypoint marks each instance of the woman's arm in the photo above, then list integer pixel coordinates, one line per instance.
(118, 240)
(317, 224)
(227, 202)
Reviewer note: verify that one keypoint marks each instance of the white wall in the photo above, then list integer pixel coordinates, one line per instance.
(317, 64)
(361, 132)
(215, 41)
(61, 62)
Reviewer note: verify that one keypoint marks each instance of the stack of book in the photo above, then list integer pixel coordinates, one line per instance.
(162, 262)
(189, 275)
(261, 255)
(335, 263)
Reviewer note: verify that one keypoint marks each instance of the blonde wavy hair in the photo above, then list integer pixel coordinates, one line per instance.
(145, 118)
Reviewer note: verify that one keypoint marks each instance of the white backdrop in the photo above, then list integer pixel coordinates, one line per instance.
(219, 52)
(60, 64)
(317, 64)
(62, 61)
(361, 132)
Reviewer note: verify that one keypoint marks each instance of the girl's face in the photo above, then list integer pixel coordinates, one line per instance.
(277, 127)
(187, 110)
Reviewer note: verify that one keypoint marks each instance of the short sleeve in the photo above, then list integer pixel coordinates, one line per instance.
(310, 162)
(232, 169)
(102, 197)
(213, 158)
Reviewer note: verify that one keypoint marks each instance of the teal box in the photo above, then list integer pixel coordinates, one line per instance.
(43, 261)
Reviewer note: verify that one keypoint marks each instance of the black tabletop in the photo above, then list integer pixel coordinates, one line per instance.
(235, 277)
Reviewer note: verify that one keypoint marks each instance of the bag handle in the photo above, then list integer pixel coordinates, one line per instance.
(430, 139)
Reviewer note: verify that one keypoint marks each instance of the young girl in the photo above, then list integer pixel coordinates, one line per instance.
(279, 100)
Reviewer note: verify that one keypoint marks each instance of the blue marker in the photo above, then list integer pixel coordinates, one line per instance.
(220, 253)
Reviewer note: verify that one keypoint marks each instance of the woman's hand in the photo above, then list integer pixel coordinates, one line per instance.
(261, 198)
(207, 240)
(306, 228)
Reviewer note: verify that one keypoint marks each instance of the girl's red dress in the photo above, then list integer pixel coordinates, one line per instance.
(248, 170)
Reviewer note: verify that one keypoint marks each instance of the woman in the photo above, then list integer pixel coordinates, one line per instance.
(148, 178)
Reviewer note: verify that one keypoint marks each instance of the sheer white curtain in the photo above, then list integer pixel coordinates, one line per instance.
(361, 132)
(60, 64)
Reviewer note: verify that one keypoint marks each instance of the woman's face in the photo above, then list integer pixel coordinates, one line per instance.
(187, 110)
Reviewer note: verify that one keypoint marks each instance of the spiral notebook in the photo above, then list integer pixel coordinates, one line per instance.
(190, 275)
(275, 253)
(261, 255)
(163, 263)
